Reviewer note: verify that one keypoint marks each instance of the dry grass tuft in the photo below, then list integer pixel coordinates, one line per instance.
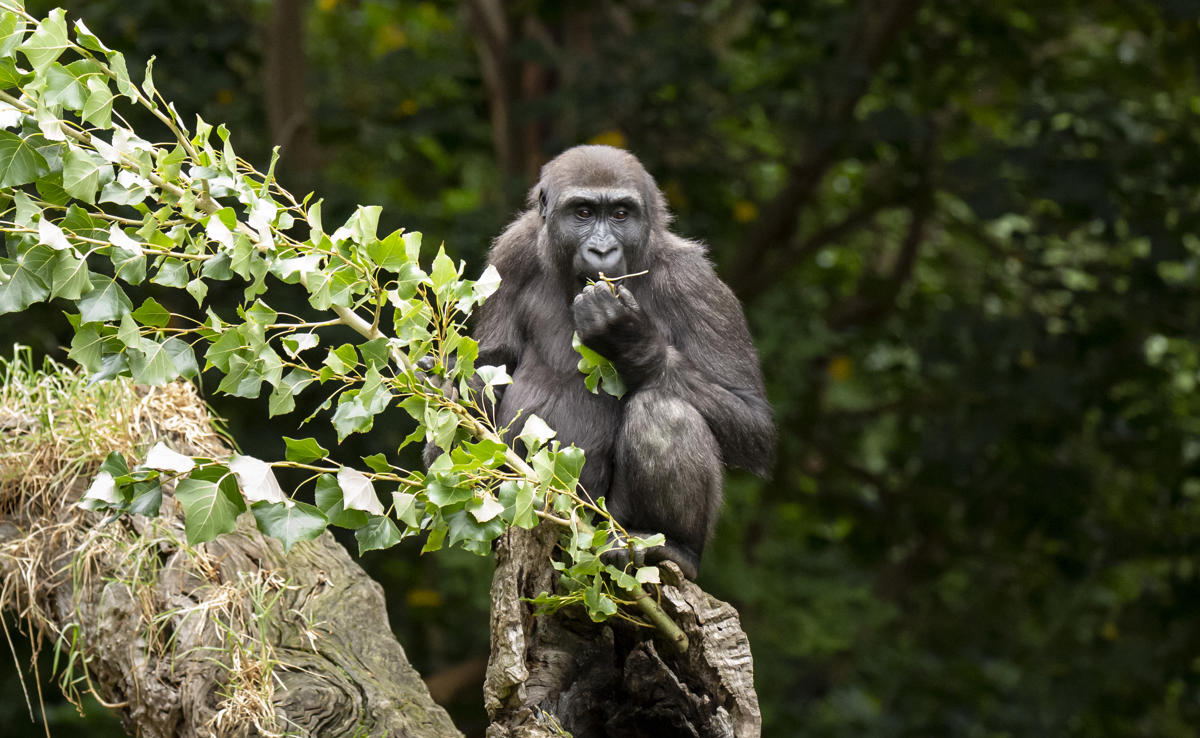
(55, 430)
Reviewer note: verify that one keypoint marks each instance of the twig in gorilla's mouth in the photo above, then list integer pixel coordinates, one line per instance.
(612, 281)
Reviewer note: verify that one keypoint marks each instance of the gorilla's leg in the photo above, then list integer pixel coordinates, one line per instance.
(667, 476)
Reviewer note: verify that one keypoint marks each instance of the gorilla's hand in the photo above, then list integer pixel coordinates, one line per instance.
(614, 325)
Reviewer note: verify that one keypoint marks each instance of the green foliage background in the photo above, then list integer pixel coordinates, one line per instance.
(965, 234)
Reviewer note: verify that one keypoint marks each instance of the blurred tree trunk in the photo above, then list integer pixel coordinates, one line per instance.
(522, 60)
(285, 85)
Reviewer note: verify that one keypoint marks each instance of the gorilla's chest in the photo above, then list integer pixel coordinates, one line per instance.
(548, 384)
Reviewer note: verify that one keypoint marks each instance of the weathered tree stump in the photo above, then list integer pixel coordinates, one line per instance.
(566, 673)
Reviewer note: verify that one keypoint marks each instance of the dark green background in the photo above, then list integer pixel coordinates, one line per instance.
(966, 237)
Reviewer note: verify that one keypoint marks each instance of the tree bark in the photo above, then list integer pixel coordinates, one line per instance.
(285, 90)
(230, 637)
(613, 679)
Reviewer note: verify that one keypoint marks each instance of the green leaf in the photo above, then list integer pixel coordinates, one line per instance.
(20, 285)
(412, 245)
(535, 433)
(289, 523)
(116, 61)
(379, 532)
(329, 500)
(12, 32)
(408, 278)
(442, 427)
(20, 162)
(568, 465)
(87, 346)
(364, 223)
(463, 528)
(444, 493)
(599, 605)
(147, 499)
(351, 416)
(378, 463)
(10, 76)
(106, 301)
(48, 42)
(97, 110)
(493, 376)
(83, 173)
(437, 536)
(599, 371)
(151, 363)
(444, 272)
(115, 464)
(518, 501)
(376, 352)
(304, 450)
(88, 40)
(390, 253)
(407, 509)
(182, 356)
(211, 503)
(484, 508)
(152, 313)
(244, 379)
(171, 273)
(342, 359)
(63, 89)
(282, 399)
(71, 278)
(198, 289)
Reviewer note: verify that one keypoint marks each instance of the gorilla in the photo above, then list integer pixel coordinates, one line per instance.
(676, 335)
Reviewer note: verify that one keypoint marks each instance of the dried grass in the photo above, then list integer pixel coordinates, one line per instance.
(55, 430)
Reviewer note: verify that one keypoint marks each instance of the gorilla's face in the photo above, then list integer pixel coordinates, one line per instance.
(600, 230)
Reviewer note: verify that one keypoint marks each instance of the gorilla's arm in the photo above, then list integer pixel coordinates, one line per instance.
(687, 339)
(498, 321)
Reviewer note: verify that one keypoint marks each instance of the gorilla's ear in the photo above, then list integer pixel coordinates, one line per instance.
(542, 201)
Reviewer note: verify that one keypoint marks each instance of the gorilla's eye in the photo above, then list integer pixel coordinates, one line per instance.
(621, 214)
(583, 213)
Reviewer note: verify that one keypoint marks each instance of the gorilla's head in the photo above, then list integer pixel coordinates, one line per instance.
(599, 209)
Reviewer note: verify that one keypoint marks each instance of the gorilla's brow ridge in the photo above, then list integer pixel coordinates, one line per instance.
(613, 195)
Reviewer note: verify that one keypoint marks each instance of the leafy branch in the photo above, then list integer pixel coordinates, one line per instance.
(87, 206)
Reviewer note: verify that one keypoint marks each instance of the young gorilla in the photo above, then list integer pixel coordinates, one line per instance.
(677, 336)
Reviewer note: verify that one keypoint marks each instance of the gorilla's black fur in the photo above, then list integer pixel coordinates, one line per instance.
(677, 336)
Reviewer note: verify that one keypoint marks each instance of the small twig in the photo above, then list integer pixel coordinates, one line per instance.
(612, 281)
(661, 619)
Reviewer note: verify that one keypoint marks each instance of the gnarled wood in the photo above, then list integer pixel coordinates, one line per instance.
(613, 679)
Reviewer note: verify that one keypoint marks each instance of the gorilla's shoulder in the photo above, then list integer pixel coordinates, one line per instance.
(677, 248)
(518, 239)
(675, 253)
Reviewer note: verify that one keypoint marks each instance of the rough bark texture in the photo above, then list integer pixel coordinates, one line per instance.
(230, 637)
(565, 673)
